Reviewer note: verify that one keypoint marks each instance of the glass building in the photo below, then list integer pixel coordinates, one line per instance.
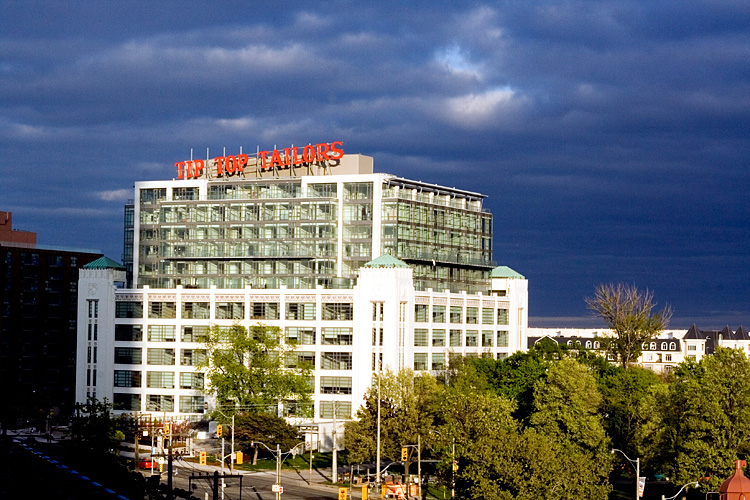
(272, 229)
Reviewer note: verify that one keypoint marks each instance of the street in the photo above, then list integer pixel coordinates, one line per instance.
(255, 485)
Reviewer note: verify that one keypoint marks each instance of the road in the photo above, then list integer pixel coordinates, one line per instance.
(255, 485)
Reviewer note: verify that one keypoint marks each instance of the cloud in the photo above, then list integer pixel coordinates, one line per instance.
(115, 195)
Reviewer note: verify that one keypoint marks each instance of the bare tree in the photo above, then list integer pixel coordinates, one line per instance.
(628, 312)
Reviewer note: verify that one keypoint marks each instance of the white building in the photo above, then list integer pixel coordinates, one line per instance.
(660, 354)
(356, 267)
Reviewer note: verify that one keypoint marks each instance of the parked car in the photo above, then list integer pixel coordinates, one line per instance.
(148, 463)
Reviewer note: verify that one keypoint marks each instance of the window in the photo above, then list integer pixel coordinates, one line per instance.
(343, 409)
(487, 338)
(129, 310)
(456, 338)
(421, 313)
(421, 336)
(502, 316)
(196, 310)
(336, 336)
(191, 404)
(301, 311)
(300, 359)
(127, 378)
(338, 312)
(377, 311)
(160, 380)
(672, 346)
(456, 314)
(93, 308)
(502, 355)
(161, 333)
(336, 360)
(160, 356)
(692, 348)
(438, 361)
(127, 402)
(161, 310)
(652, 346)
(190, 380)
(667, 357)
(128, 355)
(377, 336)
(231, 310)
(438, 338)
(420, 361)
(335, 385)
(488, 316)
(438, 314)
(471, 338)
(158, 402)
(663, 346)
(128, 333)
(588, 344)
(301, 335)
(192, 357)
(194, 333)
(471, 315)
(502, 338)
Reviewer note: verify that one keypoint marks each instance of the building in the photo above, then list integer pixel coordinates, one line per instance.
(38, 300)
(363, 269)
(662, 353)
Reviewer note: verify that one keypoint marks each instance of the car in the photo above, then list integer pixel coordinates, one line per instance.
(148, 463)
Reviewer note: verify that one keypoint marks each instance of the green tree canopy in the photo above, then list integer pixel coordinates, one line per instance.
(628, 312)
(247, 368)
(697, 424)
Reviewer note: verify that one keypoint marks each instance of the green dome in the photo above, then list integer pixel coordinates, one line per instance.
(506, 272)
(388, 261)
(104, 263)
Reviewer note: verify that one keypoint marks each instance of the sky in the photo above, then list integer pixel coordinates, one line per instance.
(612, 138)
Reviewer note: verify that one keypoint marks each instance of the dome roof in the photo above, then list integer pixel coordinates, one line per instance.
(737, 483)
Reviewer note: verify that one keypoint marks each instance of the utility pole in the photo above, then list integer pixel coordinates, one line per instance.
(137, 432)
(419, 466)
(231, 461)
(170, 496)
(334, 472)
(278, 470)
(377, 452)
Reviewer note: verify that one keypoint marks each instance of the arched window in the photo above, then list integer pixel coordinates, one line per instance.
(644, 346)
(663, 346)
(596, 344)
(588, 344)
(672, 346)
(653, 346)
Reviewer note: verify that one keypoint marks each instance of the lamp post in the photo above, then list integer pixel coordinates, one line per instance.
(637, 465)
(693, 484)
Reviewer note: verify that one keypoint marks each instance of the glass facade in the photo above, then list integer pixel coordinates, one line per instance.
(271, 233)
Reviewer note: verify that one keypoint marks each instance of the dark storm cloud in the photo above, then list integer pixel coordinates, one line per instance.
(611, 137)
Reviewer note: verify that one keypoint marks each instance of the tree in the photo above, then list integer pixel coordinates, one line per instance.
(695, 430)
(247, 368)
(409, 405)
(266, 428)
(628, 313)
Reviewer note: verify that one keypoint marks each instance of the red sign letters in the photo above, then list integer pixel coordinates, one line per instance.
(276, 159)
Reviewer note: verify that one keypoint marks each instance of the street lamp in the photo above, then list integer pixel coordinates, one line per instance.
(693, 484)
(637, 465)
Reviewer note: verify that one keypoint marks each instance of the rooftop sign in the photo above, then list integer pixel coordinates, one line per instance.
(278, 159)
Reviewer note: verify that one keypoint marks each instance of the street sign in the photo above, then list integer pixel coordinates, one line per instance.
(277, 488)
(641, 485)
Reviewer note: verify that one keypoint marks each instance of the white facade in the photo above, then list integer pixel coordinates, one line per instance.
(145, 363)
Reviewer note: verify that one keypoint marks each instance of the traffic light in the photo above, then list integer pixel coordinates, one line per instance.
(342, 493)
(218, 430)
(202, 458)
(404, 454)
(239, 458)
